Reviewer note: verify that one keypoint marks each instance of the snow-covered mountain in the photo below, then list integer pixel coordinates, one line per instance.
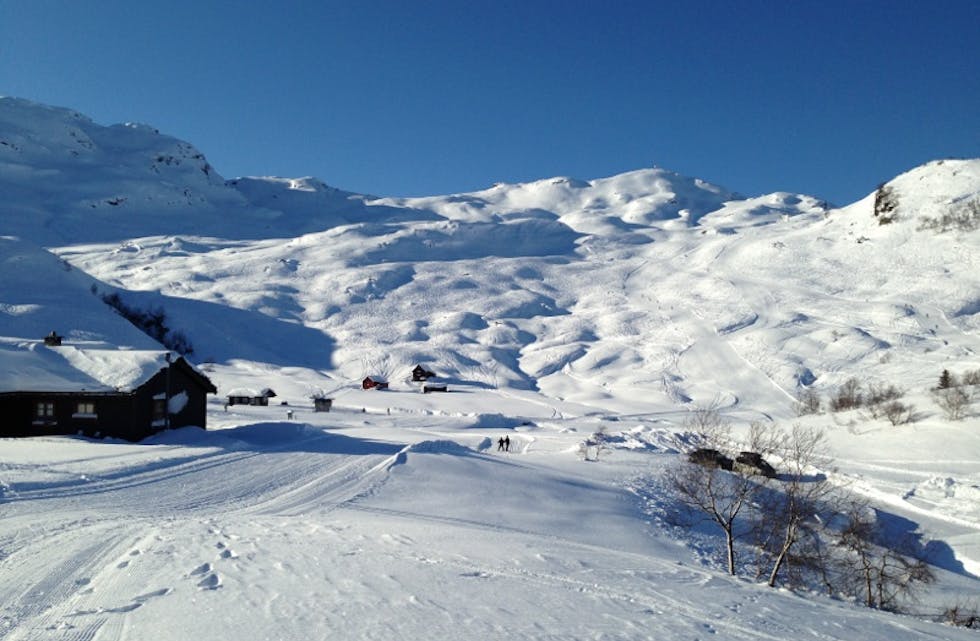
(556, 305)
(584, 290)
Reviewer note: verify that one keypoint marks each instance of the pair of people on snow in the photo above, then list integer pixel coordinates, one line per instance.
(503, 444)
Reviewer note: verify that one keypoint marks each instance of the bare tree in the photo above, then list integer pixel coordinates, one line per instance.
(718, 494)
(790, 511)
(876, 570)
(953, 401)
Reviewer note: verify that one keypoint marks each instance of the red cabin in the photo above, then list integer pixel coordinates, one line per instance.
(373, 383)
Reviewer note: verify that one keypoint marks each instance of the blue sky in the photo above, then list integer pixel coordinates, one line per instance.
(402, 98)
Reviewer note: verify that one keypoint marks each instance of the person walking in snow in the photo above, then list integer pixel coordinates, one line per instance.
(500, 444)
(507, 443)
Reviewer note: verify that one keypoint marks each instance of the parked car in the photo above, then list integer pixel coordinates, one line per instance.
(753, 463)
(710, 458)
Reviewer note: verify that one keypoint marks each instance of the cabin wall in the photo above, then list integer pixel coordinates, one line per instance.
(117, 414)
(114, 415)
(194, 413)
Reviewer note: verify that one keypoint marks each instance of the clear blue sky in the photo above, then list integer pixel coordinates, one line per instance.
(422, 97)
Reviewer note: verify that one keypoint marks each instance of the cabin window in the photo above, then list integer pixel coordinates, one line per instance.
(44, 410)
(44, 413)
(84, 409)
(159, 409)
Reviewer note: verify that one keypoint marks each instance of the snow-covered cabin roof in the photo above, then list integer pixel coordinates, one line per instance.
(252, 392)
(32, 366)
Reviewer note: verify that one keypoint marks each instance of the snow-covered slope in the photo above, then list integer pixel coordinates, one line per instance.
(553, 308)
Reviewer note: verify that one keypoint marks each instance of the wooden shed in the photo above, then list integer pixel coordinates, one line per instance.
(422, 374)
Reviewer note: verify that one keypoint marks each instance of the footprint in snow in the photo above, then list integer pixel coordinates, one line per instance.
(475, 575)
(228, 554)
(210, 582)
(204, 568)
(143, 598)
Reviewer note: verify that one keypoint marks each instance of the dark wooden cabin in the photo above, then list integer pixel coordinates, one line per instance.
(127, 414)
(250, 397)
(422, 374)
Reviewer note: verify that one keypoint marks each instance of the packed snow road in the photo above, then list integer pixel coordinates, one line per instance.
(365, 530)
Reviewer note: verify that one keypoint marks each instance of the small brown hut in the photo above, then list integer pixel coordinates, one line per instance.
(422, 374)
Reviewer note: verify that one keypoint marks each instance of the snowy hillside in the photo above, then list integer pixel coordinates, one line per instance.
(550, 309)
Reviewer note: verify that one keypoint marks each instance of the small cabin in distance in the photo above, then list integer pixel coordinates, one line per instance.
(422, 374)
(373, 383)
(242, 396)
(322, 404)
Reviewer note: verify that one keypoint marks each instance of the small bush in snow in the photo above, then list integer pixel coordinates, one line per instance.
(809, 402)
(879, 395)
(886, 202)
(971, 377)
(955, 402)
(592, 448)
(962, 616)
(961, 217)
(849, 396)
(898, 413)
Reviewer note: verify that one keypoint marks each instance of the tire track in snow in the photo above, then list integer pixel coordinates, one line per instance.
(52, 572)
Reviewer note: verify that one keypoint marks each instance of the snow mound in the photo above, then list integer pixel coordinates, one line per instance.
(440, 447)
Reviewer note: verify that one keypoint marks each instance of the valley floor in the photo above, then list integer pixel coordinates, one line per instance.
(365, 524)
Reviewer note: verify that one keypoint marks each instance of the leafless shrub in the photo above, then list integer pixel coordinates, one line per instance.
(592, 448)
(849, 396)
(880, 394)
(706, 422)
(809, 402)
(898, 413)
(971, 377)
(874, 569)
(955, 402)
(962, 615)
(963, 216)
